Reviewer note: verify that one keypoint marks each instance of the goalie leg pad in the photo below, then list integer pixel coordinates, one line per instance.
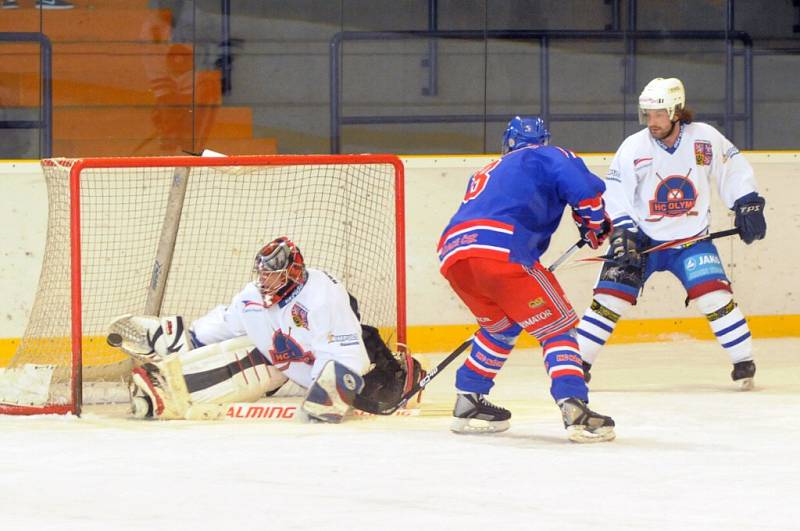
(159, 391)
(221, 373)
(230, 371)
(331, 395)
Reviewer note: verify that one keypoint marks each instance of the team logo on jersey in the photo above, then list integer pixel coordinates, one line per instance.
(702, 152)
(674, 196)
(286, 350)
(299, 316)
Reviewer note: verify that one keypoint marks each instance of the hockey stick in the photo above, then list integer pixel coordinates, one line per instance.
(693, 239)
(388, 409)
(671, 243)
(569, 252)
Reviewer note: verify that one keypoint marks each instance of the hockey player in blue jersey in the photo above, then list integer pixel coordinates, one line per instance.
(489, 253)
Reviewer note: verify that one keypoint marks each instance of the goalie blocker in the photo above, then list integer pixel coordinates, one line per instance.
(174, 381)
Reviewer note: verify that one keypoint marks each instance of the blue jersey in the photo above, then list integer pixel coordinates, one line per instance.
(513, 205)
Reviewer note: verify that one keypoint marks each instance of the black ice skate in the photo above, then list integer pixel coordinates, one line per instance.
(474, 414)
(743, 373)
(587, 376)
(584, 425)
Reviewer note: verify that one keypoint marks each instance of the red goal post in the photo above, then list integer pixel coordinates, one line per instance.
(177, 235)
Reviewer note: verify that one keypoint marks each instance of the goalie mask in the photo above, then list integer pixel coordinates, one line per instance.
(662, 94)
(279, 270)
(523, 132)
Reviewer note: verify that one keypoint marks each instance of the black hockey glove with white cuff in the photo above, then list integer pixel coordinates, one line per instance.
(750, 217)
(624, 247)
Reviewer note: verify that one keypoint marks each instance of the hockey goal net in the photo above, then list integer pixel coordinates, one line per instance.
(177, 235)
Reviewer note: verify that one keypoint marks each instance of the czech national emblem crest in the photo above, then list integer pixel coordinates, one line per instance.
(299, 316)
(702, 153)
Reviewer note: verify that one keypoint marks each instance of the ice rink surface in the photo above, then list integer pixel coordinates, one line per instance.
(692, 453)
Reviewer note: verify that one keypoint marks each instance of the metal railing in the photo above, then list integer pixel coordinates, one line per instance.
(45, 122)
(545, 37)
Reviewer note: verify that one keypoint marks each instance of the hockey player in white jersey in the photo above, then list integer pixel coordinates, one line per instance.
(291, 323)
(658, 189)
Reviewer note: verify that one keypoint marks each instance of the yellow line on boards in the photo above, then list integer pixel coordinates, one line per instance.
(444, 338)
(7, 348)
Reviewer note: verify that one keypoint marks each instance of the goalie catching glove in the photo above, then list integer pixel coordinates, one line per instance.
(392, 375)
(148, 338)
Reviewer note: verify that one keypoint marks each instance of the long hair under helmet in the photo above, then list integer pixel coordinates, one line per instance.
(662, 94)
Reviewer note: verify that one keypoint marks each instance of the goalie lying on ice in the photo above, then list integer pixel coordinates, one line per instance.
(291, 323)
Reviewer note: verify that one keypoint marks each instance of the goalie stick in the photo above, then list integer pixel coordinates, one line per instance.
(380, 408)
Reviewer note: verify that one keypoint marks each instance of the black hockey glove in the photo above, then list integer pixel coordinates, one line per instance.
(624, 247)
(750, 217)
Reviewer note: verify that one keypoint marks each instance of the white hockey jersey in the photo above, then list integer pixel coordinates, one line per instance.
(313, 325)
(667, 192)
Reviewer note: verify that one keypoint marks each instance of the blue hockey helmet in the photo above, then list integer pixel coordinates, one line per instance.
(523, 132)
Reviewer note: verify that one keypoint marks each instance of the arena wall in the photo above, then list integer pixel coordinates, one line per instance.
(763, 274)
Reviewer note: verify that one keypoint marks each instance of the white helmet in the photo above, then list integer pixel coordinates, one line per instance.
(660, 93)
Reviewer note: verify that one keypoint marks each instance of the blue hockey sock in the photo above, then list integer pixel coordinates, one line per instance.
(489, 352)
(564, 365)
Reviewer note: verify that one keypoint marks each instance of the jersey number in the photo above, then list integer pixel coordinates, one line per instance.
(478, 181)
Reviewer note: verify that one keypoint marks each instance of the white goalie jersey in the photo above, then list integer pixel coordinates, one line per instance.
(300, 334)
(667, 192)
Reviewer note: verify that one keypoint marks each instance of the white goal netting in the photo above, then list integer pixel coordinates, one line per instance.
(343, 212)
